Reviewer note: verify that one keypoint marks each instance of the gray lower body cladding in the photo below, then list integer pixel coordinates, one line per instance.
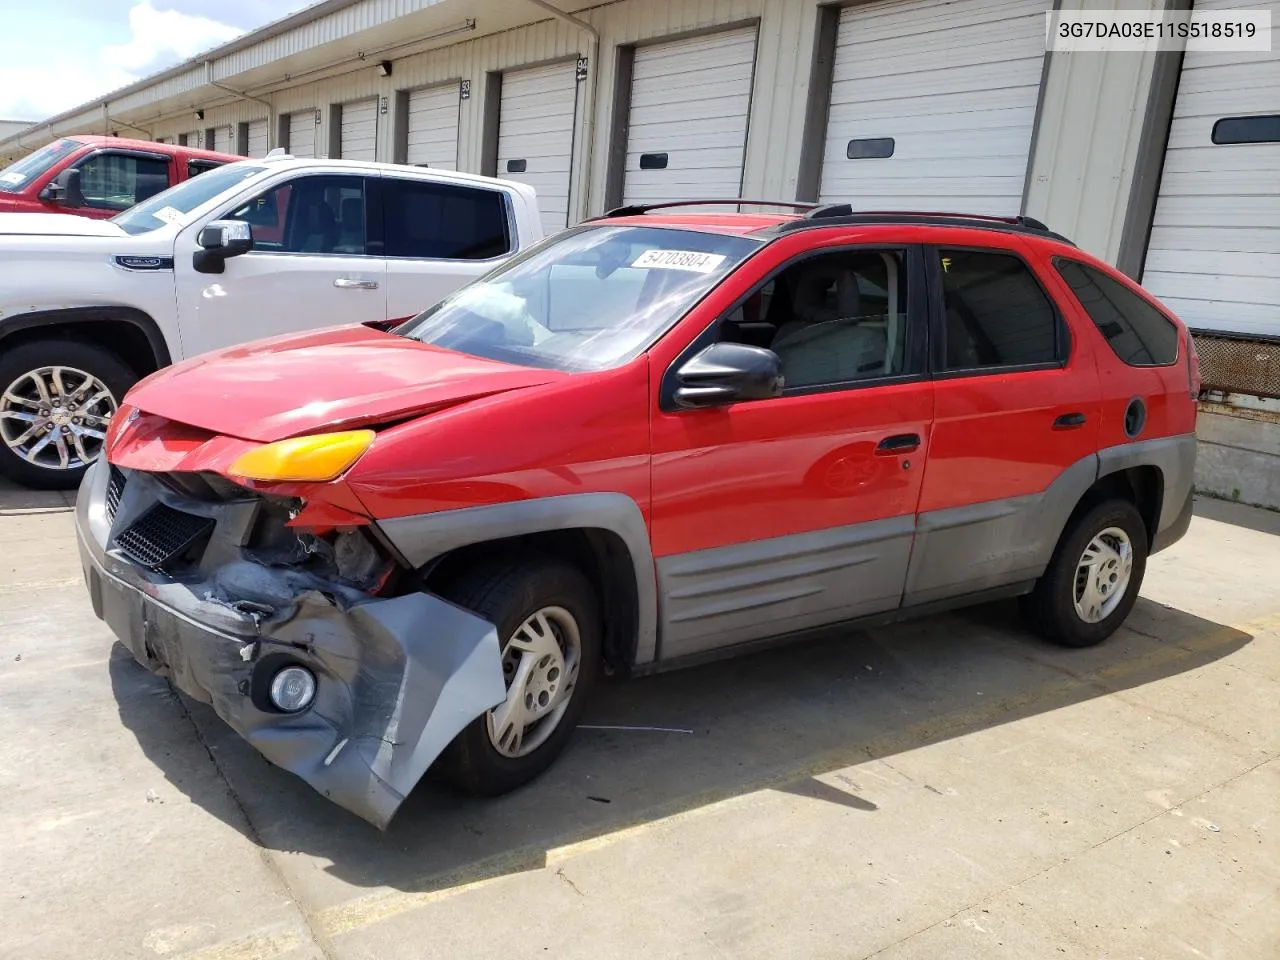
(397, 678)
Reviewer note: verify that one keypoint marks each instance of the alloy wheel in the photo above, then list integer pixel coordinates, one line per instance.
(56, 417)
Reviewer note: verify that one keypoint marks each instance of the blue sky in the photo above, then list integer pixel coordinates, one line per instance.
(56, 54)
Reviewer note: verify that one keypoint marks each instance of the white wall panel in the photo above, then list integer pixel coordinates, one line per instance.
(432, 135)
(1214, 252)
(953, 85)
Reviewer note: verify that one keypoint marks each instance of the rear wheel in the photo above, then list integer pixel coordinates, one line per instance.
(549, 631)
(1093, 579)
(57, 398)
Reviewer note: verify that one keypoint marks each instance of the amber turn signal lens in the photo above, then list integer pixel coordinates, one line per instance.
(323, 456)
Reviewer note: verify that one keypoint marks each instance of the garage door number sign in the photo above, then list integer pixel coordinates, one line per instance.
(689, 260)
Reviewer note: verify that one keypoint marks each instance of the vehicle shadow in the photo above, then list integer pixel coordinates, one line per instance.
(773, 720)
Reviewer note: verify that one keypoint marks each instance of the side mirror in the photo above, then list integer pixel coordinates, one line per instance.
(726, 373)
(64, 190)
(220, 241)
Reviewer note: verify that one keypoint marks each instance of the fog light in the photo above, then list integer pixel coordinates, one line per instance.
(293, 689)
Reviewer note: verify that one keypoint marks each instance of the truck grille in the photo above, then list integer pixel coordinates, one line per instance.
(162, 534)
(115, 488)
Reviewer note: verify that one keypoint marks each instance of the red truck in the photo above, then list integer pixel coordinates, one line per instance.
(96, 176)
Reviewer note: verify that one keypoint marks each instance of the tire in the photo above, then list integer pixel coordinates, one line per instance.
(508, 594)
(17, 367)
(1051, 608)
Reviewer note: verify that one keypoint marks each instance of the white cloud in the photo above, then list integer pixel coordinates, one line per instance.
(64, 77)
(164, 35)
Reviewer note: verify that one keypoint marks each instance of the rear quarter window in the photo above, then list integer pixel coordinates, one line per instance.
(1137, 333)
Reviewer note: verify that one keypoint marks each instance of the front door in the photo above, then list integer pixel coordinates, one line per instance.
(309, 267)
(776, 515)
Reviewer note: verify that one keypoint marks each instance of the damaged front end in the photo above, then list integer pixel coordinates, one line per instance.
(207, 584)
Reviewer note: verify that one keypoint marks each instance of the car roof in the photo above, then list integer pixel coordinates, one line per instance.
(129, 143)
(815, 217)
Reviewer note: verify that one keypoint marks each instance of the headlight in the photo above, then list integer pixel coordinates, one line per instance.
(323, 456)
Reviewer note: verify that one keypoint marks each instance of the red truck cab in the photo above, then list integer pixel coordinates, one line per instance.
(96, 176)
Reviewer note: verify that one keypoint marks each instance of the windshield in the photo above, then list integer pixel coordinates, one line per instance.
(173, 205)
(17, 175)
(588, 299)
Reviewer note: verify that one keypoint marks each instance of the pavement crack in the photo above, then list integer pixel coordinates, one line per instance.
(573, 886)
(317, 937)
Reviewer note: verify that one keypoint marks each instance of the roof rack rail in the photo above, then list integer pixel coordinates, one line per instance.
(843, 214)
(635, 210)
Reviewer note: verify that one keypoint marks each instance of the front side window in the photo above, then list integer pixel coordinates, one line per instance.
(438, 221)
(18, 174)
(116, 181)
(319, 215)
(834, 319)
(995, 312)
(588, 299)
(1136, 332)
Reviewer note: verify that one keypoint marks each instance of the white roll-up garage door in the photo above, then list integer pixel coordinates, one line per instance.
(933, 104)
(302, 134)
(360, 130)
(433, 127)
(1214, 253)
(535, 135)
(224, 140)
(257, 138)
(687, 126)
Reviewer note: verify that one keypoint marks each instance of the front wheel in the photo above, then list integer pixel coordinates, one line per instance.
(1092, 582)
(549, 630)
(57, 398)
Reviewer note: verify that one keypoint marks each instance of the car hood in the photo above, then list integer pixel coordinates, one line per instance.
(57, 225)
(341, 377)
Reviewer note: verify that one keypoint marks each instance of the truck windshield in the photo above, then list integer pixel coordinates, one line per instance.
(174, 205)
(17, 175)
(588, 299)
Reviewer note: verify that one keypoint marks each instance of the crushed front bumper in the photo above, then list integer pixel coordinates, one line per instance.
(397, 679)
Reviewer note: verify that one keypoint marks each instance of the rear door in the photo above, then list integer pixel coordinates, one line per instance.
(438, 235)
(311, 265)
(777, 515)
(1016, 423)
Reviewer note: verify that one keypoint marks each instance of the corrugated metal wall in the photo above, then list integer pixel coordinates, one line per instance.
(1086, 141)
(786, 44)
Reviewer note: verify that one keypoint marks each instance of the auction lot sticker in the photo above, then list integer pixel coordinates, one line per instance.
(689, 260)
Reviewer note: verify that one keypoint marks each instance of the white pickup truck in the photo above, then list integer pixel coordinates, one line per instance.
(249, 250)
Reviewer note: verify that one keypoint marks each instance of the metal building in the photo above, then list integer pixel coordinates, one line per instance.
(1166, 164)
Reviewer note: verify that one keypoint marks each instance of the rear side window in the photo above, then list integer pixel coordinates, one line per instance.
(995, 312)
(1137, 332)
(439, 221)
(197, 167)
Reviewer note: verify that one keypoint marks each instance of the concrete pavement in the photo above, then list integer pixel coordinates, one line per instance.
(949, 787)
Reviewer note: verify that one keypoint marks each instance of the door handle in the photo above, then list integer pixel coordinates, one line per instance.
(347, 283)
(898, 443)
(1069, 421)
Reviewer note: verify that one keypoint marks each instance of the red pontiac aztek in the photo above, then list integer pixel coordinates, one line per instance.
(652, 439)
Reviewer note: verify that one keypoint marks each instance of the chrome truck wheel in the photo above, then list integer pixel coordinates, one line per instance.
(56, 417)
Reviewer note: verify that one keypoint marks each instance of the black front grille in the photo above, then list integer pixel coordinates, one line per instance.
(161, 535)
(115, 488)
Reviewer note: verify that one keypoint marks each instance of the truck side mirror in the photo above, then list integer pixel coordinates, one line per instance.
(220, 241)
(64, 190)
